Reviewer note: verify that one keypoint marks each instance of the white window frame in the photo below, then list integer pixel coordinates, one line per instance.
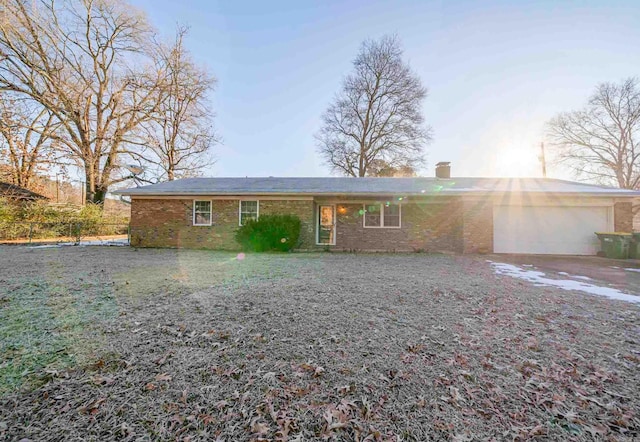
(381, 226)
(210, 213)
(240, 209)
(335, 221)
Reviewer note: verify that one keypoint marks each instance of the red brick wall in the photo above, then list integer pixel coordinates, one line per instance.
(436, 227)
(351, 235)
(425, 226)
(477, 227)
(443, 225)
(622, 217)
(169, 223)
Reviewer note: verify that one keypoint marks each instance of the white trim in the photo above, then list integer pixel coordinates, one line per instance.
(240, 208)
(193, 220)
(381, 226)
(333, 236)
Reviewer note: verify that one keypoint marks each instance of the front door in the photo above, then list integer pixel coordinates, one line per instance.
(326, 225)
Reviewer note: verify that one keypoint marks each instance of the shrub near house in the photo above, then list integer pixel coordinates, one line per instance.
(270, 233)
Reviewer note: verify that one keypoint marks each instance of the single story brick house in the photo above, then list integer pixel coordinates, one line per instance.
(439, 214)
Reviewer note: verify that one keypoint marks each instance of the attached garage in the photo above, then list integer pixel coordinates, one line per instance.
(550, 230)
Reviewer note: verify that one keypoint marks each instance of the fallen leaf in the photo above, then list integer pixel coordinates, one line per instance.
(92, 406)
(259, 428)
(161, 360)
(102, 380)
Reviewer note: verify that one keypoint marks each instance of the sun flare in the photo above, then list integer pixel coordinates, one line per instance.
(517, 161)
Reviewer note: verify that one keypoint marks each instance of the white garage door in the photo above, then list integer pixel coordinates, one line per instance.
(549, 230)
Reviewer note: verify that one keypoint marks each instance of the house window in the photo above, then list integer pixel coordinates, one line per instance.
(248, 210)
(382, 215)
(391, 215)
(202, 213)
(373, 215)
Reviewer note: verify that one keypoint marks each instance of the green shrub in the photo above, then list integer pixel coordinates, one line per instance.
(8, 211)
(40, 219)
(270, 233)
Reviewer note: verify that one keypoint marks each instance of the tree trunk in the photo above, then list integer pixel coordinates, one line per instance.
(361, 167)
(95, 192)
(99, 195)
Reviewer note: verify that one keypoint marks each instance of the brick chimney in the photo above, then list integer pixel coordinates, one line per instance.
(443, 170)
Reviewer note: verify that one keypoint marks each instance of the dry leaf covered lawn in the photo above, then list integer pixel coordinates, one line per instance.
(116, 344)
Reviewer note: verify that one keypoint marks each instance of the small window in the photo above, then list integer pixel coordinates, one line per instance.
(392, 215)
(248, 210)
(382, 215)
(202, 213)
(372, 216)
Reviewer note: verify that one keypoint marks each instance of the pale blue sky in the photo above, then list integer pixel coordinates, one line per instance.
(495, 70)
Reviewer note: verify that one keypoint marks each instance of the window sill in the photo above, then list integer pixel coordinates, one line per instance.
(382, 227)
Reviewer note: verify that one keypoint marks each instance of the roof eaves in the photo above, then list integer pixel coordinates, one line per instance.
(444, 192)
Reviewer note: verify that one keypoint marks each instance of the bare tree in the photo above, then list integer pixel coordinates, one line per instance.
(180, 135)
(85, 61)
(381, 168)
(600, 142)
(26, 129)
(377, 115)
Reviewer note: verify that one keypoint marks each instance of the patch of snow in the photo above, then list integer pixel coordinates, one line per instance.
(106, 242)
(50, 246)
(540, 279)
(633, 270)
(97, 242)
(586, 278)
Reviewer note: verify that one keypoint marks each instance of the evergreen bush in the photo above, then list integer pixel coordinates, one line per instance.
(270, 233)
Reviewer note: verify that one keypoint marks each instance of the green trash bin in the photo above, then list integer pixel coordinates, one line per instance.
(615, 245)
(634, 251)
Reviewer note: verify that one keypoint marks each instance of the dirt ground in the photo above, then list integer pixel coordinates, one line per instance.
(122, 344)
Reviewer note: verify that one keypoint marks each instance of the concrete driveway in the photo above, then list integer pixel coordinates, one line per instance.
(618, 273)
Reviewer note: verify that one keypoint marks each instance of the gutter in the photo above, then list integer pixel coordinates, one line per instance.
(617, 194)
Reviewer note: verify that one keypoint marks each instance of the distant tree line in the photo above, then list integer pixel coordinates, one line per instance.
(89, 83)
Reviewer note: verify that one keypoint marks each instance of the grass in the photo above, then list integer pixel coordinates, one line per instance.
(51, 323)
(30, 337)
(195, 345)
(47, 327)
